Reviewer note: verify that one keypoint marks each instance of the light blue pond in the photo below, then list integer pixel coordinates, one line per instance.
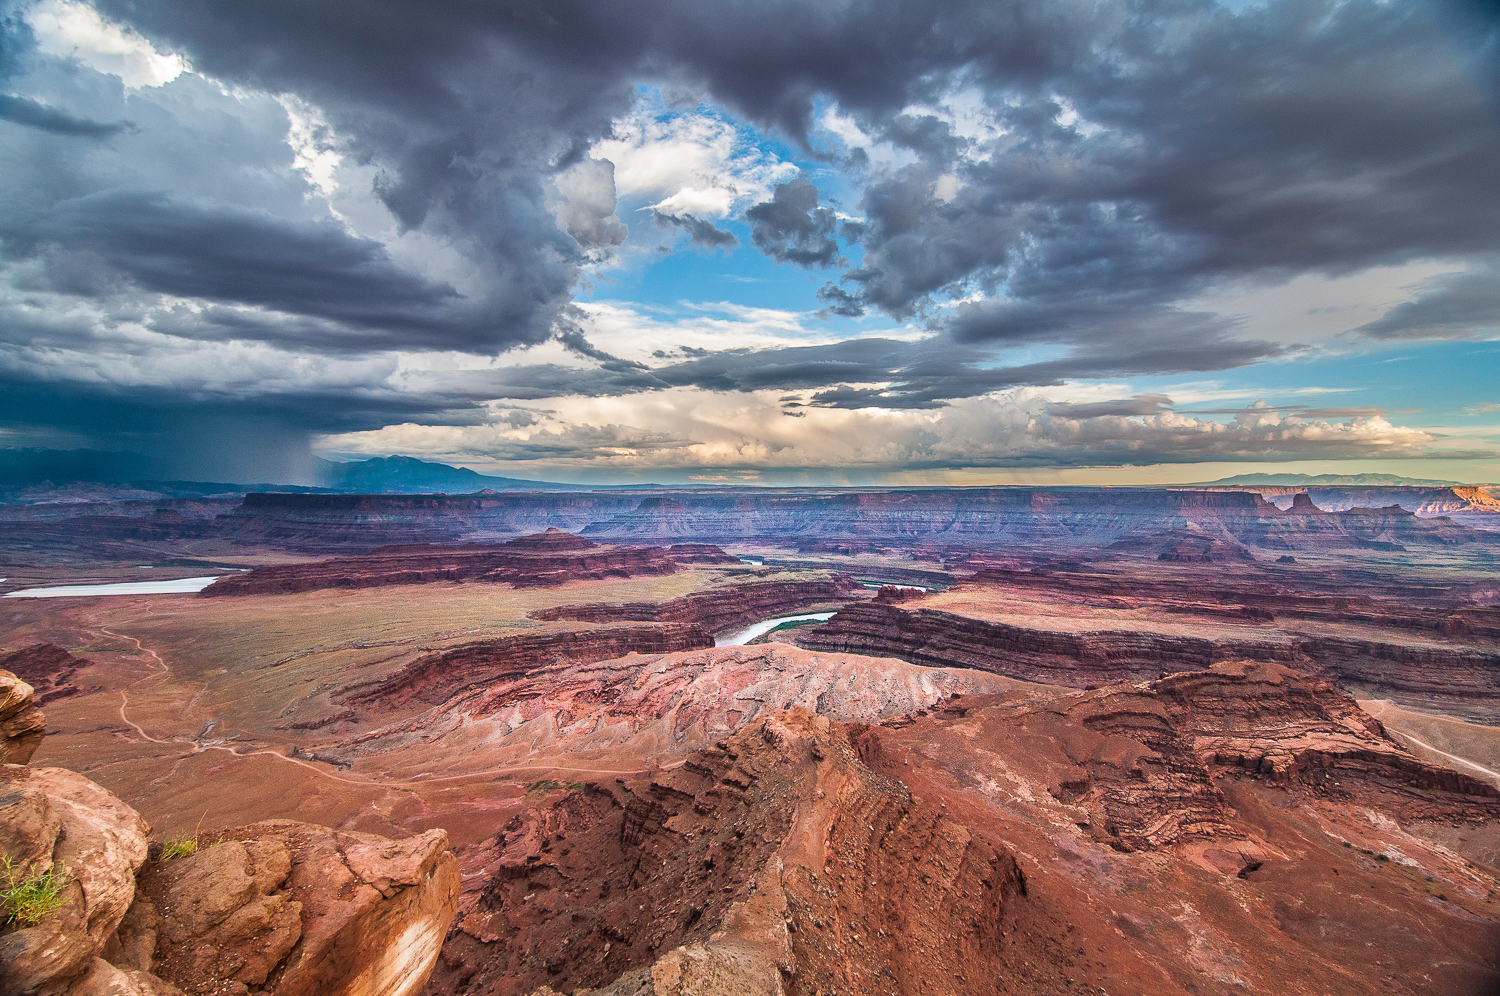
(176, 586)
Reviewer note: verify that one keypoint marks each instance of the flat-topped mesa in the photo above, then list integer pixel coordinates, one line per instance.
(550, 540)
(700, 553)
(1390, 607)
(719, 608)
(548, 558)
(1302, 504)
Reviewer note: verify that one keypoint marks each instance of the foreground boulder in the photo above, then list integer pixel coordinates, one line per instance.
(54, 817)
(300, 909)
(291, 907)
(22, 724)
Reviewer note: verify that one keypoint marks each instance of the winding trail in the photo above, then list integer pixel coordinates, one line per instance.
(161, 670)
(1452, 757)
(1377, 708)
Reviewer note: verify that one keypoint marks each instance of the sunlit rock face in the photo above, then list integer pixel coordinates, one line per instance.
(282, 906)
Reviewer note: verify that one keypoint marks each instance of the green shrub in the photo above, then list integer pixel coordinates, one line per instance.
(30, 894)
(178, 847)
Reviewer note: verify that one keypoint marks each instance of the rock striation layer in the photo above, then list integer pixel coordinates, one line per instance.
(550, 558)
(436, 678)
(718, 608)
(22, 724)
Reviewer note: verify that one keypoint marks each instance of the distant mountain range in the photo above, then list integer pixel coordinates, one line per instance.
(1324, 480)
(408, 475)
(35, 475)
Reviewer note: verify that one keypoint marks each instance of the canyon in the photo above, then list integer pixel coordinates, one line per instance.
(1150, 741)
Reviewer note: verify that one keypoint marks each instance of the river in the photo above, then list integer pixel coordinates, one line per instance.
(765, 626)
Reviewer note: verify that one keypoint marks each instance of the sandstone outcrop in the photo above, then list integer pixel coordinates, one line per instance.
(296, 909)
(54, 818)
(549, 558)
(22, 724)
(719, 608)
(277, 906)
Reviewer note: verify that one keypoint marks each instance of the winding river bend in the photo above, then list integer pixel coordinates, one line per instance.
(744, 636)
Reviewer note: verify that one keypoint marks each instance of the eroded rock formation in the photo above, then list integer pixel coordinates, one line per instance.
(749, 865)
(293, 908)
(438, 677)
(654, 708)
(997, 843)
(1465, 678)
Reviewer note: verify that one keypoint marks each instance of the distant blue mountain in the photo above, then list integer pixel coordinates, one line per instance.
(1326, 480)
(38, 475)
(408, 475)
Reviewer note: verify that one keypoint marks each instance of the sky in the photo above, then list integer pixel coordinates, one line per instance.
(756, 241)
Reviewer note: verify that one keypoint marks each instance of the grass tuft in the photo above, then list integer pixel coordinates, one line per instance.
(30, 894)
(178, 847)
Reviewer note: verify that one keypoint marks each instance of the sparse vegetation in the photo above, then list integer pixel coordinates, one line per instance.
(30, 894)
(178, 847)
(548, 785)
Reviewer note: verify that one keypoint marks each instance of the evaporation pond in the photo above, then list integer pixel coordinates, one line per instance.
(176, 586)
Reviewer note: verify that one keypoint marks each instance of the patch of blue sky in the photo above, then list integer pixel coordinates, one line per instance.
(709, 151)
(1423, 385)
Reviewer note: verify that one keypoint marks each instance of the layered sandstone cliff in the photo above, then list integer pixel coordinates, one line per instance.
(719, 608)
(22, 724)
(1466, 679)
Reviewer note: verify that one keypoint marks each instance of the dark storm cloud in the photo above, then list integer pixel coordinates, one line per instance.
(1294, 136)
(221, 253)
(701, 232)
(35, 114)
(1291, 136)
(792, 228)
(1454, 306)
